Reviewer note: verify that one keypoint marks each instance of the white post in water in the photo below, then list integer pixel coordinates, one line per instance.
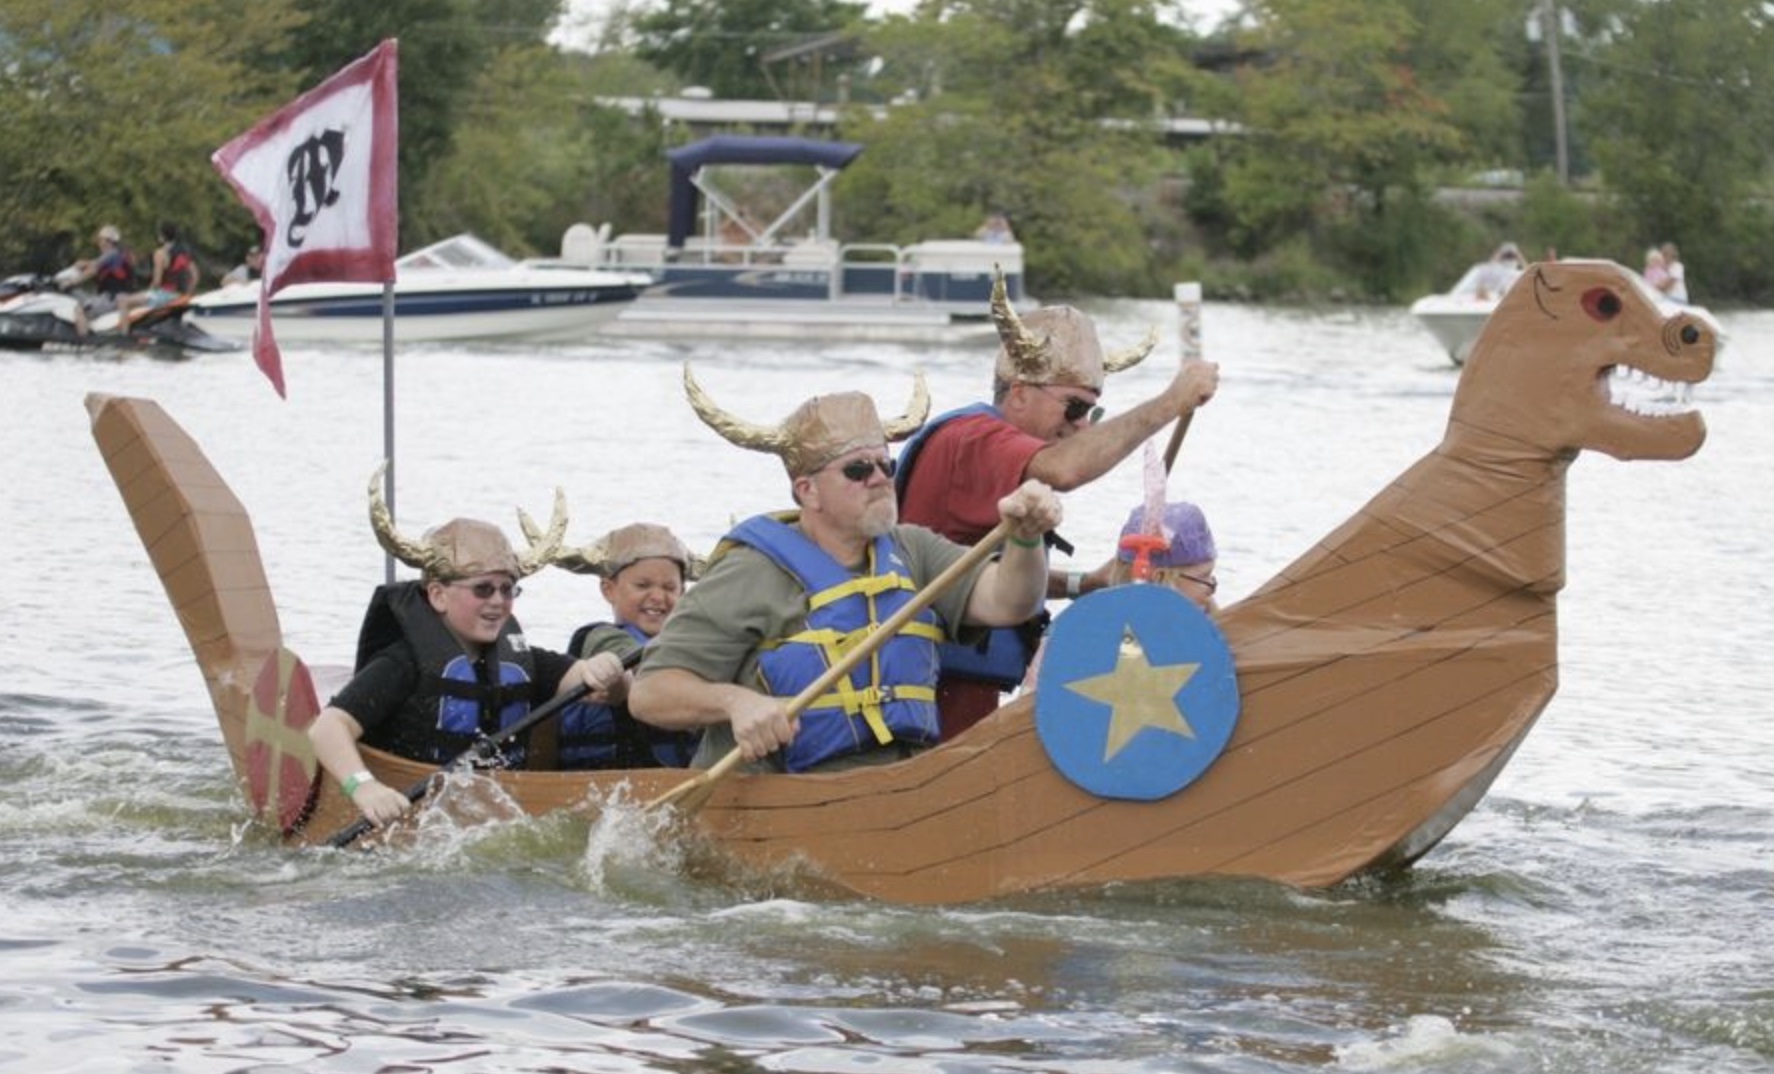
(1188, 300)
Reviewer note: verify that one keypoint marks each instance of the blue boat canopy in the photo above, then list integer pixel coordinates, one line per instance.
(687, 160)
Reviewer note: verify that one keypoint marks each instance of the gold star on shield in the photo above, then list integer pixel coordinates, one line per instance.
(1139, 694)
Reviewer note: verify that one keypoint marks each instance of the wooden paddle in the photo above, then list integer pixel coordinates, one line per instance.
(690, 795)
(479, 753)
(1188, 300)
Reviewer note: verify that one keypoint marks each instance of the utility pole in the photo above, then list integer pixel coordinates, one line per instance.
(1549, 21)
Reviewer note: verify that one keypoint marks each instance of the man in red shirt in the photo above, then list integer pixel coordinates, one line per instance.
(1043, 423)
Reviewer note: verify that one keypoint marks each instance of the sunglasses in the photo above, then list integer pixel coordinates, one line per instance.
(485, 590)
(1210, 583)
(858, 470)
(1077, 407)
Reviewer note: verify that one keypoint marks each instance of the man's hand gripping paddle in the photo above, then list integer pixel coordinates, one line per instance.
(690, 795)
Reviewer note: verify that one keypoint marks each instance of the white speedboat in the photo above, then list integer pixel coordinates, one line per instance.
(1456, 317)
(720, 271)
(1454, 320)
(460, 288)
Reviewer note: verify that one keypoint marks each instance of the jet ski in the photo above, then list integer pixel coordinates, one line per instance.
(37, 314)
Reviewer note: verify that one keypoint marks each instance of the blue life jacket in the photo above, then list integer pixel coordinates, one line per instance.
(452, 707)
(115, 273)
(595, 735)
(908, 455)
(889, 698)
(1003, 656)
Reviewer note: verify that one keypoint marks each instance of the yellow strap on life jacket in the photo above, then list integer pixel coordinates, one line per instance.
(867, 703)
(836, 643)
(868, 585)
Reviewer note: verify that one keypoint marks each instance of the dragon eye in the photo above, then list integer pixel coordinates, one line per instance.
(1601, 303)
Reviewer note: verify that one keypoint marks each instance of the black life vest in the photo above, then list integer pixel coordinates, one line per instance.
(456, 701)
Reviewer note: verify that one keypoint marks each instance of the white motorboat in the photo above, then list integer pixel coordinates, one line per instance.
(1456, 317)
(719, 272)
(1454, 320)
(459, 288)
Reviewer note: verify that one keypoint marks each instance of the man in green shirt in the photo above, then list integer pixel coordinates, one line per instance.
(787, 594)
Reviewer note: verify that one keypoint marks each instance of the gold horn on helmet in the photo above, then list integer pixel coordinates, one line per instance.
(546, 545)
(412, 553)
(590, 559)
(1027, 351)
(916, 411)
(1132, 356)
(734, 430)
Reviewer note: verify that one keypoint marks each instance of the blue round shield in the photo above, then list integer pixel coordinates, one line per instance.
(1137, 694)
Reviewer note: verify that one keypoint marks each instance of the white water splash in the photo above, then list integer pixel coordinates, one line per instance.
(628, 835)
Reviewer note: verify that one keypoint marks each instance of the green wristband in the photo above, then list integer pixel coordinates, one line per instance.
(1022, 543)
(356, 780)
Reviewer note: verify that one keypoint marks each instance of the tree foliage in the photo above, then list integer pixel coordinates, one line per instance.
(534, 154)
(1351, 117)
(445, 46)
(721, 44)
(1340, 120)
(113, 112)
(1681, 114)
(1010, 111)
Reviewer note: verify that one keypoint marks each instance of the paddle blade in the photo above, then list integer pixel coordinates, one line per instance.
(692, 794)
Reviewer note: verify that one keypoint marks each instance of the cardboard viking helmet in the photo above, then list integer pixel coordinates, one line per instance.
(619, 549)
(1055, 345)
(819, 430)
(464, 547)
(1188, 540)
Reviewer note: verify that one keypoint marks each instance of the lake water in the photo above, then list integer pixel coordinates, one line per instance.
(1608, 907)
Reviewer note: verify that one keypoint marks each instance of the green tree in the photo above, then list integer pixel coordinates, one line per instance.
(1346, 121)
(1024, 106)
(1678, 111)
(113, 112)
(721, 44)
(534, 154)
(445, 46)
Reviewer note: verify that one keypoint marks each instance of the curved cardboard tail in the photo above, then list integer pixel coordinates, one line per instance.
(200, 541)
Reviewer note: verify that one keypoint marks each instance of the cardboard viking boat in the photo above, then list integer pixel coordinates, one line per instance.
(1384, 678)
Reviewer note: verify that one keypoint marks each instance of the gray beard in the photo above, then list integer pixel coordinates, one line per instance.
(879, 518)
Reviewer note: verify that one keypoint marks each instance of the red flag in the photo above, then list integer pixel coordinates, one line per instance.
(319, 176)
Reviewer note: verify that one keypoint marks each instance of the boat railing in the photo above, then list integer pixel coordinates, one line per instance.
(933, 272)
(870, 270)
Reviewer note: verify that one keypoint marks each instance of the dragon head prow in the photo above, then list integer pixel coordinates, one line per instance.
(1582, 355)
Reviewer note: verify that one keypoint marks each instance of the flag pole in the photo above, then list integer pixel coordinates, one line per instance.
(388, 411)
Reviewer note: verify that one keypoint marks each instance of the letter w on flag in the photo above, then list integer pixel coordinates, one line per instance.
(319, 176)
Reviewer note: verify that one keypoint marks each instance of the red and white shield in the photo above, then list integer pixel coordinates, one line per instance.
(281, 772)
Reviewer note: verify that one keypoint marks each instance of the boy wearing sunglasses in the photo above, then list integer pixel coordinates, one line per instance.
(787, 595)
(1045, 423)
(441, 661)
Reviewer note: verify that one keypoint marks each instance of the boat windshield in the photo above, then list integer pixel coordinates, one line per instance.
(456, 252)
